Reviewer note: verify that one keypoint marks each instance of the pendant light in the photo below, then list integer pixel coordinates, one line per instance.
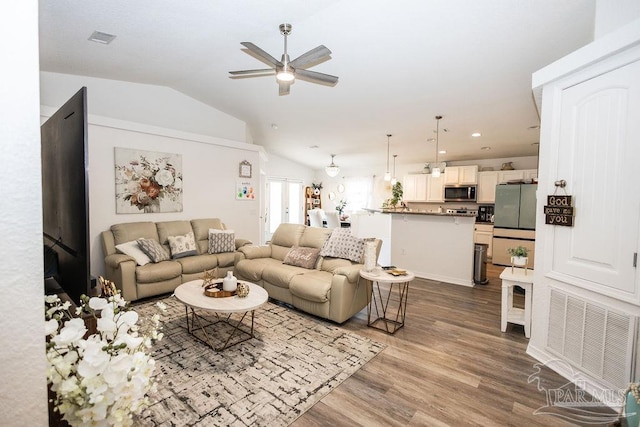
(394, 180)
(435, 172)
(387, 174)
(332, 169)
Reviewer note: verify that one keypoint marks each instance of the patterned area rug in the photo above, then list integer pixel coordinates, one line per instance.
(293, 362)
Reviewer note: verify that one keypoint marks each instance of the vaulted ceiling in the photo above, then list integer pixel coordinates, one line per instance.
(400, 63)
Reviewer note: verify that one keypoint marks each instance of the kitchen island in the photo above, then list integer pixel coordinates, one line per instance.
(435, 246)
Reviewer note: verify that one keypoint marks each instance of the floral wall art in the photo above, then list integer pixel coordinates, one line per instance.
(147, 181)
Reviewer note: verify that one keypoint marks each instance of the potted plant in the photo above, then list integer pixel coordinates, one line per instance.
(340, 208)
(519, 256)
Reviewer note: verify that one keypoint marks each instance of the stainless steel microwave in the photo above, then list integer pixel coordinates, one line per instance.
(460, 193)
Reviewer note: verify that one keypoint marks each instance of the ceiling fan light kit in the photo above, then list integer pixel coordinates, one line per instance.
(286, 70)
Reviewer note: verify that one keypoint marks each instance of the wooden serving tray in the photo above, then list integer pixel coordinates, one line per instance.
(214, 290)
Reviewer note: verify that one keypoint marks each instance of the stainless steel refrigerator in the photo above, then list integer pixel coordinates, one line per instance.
(514, 221)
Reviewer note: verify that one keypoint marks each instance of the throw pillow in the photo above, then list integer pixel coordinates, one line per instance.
(221, 241)
(302, 257)
(341, 244)
(153, 249)
(182, 246)
(133, 250)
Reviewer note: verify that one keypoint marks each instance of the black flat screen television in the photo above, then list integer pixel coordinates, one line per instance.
(65, 198)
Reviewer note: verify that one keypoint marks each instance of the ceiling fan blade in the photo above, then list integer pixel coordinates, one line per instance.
(316, 55)
(262, 72)
(316, 77)
(284, 88)
(261, 54)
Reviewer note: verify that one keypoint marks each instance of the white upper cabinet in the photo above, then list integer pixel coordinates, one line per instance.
(461, 175)
(414, 188)
(525, 175)
(487, 182)
(435, 189)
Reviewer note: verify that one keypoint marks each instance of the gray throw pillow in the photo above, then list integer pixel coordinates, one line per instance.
(153, 249)
(341, 244)
(221, 241)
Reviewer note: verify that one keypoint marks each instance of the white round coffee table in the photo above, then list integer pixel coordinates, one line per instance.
(191, 294)
(378, 305)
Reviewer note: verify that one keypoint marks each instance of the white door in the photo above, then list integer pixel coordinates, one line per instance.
(284, 204)
(598, 153)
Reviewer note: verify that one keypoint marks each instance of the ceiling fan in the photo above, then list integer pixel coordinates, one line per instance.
(285, 70)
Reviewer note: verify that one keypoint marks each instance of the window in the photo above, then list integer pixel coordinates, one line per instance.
(358, 193)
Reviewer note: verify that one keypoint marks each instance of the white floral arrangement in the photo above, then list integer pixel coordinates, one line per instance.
(147, 182)
(103, 378)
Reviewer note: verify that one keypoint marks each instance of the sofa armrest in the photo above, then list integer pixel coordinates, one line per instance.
(121, 270)
(251, 252)
(352, 272)
(242, 242)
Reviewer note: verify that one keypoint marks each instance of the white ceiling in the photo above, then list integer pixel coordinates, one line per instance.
(400, 63)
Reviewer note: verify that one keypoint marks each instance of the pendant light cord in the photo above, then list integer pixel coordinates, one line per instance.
(388, 136)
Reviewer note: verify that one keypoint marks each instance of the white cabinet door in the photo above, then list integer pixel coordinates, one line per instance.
(435, 189)
(464, 175)
(451, 175)
(487, 182)
(468, 175)
(598, 131)
(414, 188)
(530, 174)
(506, 176)
(484, 234)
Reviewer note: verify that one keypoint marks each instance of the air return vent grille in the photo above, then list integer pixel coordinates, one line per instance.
(592, 337)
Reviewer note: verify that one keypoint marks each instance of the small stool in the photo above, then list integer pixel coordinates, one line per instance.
(516, 277)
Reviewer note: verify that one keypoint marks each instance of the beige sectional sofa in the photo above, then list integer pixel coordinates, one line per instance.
(141, 281)
(330, 288)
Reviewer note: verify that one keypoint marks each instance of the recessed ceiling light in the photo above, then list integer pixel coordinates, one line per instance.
(431, 140)
(102, 38)
(485, 148)
(476, 134)
(442, 152)
(314, 146)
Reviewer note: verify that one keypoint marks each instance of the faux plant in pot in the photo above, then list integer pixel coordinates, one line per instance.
(519, 255)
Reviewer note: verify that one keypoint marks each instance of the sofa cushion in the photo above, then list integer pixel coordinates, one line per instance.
(198, 263)
(201, 231)
(288, 235)
(342, 244)
(154, 250)
(159, 272)
(133, 250)
(172, 228)
(127, 232)
(314, 237)
(182, 246)
(226, 259)
(280, 275)
(330, 265)
(312, 286)
(302, 257)
(252, 269)
(221, 241)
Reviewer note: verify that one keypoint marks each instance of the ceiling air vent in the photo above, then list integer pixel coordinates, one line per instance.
(103, 38)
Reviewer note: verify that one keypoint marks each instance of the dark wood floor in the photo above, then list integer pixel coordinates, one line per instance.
(449, 366)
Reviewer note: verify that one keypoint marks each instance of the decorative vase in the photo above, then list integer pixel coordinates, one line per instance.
(369, 255)
(229, 283)
(243, 290)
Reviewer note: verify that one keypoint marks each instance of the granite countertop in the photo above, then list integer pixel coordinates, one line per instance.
(420, 212)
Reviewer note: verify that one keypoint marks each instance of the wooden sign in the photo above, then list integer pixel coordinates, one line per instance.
(559, 211)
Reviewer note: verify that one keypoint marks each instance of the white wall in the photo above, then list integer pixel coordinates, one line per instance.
(134, 102)
(23, 400)
(613, 14)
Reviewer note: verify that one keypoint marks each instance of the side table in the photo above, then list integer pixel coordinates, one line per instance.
(379, 306)
(516, 277)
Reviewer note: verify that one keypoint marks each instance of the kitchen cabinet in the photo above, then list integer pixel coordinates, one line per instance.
(414, 188)
(483, 233)
(435, 189)
(525, 175)
(461, 175)
(487, 182)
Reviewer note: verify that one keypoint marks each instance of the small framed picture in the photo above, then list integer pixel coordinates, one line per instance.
(245, 169)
